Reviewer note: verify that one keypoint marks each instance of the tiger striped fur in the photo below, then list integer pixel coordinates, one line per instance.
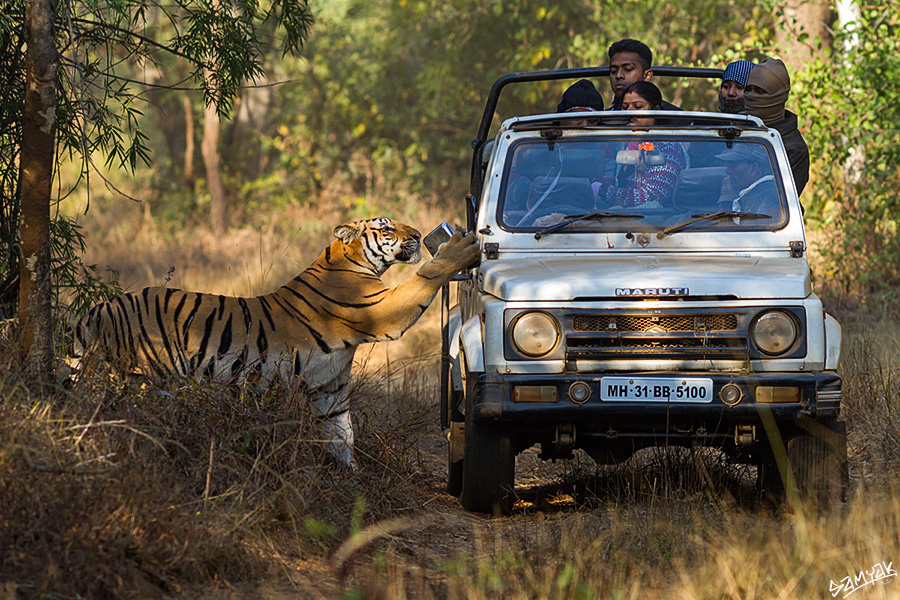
(305, 333)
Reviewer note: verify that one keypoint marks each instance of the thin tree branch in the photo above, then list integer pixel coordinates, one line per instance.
(141, 38)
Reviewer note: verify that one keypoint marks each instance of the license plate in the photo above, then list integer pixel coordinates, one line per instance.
(655, 389)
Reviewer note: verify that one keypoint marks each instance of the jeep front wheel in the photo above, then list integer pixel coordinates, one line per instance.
(488, 468)
(818, 466)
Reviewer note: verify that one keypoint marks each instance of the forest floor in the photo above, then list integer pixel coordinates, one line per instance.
(173, 490)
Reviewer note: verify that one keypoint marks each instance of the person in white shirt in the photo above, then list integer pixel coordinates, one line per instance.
(752, 185)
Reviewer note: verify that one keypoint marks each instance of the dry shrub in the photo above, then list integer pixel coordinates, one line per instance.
(665, 524)
(871, 375)
(92, 507)
(664, 549)
(143, 487)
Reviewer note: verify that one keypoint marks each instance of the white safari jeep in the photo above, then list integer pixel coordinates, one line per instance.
(638, 286)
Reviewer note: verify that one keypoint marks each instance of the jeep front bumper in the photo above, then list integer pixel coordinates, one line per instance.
(818, 397)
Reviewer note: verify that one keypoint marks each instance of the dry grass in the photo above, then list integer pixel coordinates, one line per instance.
(154, 486)
(168, 488)
(667, 550)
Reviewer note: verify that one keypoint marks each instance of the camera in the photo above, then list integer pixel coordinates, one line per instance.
(438, 236)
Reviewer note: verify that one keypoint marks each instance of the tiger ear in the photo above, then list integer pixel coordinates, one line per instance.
(348, 232)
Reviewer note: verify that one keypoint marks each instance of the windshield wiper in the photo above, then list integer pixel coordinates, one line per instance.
(716, 216)
(591, 216)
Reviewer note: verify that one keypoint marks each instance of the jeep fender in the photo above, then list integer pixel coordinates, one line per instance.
(832, 343)
(472, 345)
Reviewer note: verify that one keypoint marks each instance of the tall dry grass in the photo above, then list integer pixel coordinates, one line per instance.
(169, 488)
(686, 524)
(146, 488)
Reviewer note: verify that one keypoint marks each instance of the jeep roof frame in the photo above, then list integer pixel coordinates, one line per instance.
(490, 107)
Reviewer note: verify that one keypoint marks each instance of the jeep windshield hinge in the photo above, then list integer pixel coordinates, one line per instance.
(729, 132)
(551, 133)
(491, 250)
(797, 248)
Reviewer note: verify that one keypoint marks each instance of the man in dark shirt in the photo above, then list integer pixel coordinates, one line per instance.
(630, 61)
(765, 96)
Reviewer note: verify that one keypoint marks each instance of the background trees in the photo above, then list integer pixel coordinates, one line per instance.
(386, 96)
(849, 94)
(376, 111)
(85, 65)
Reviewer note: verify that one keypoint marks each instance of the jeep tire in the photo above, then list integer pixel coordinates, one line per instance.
(488, 469)
(819, 469)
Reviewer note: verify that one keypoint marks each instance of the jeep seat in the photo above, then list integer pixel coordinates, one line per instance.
(698, 188)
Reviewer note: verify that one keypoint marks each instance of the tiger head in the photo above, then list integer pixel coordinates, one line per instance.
(382, 241)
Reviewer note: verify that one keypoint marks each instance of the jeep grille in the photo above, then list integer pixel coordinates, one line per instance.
(680, 337)
(669, 323)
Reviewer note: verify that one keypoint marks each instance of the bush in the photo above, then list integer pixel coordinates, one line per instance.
(149, 487)
(850, 103)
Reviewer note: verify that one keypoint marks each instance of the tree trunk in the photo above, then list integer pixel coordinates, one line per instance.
(812, 17)
(210, 148)
(188, 138)
(36, 174)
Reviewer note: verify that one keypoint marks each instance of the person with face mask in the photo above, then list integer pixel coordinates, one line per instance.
(731, 90)
(765, 96)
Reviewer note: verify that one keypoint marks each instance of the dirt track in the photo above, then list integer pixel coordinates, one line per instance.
(559, 502)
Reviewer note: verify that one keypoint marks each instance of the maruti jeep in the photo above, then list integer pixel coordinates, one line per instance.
(613, 320)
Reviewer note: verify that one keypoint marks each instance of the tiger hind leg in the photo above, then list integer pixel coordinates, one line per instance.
(337, 428)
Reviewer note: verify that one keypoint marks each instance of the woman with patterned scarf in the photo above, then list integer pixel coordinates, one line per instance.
(644, 185)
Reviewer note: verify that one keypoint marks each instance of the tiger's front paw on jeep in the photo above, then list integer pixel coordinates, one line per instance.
(459, 252)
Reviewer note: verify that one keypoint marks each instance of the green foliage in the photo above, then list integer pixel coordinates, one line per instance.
(851, 104)
(109, 52)
(389, 93)
(378, 113)
(75, 286)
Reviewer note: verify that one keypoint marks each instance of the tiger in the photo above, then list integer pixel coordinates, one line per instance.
(304, 333)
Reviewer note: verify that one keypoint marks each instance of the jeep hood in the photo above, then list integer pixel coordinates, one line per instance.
(594, 276)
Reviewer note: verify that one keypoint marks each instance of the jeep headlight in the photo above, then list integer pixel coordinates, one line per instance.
(535, 334)
(774, 332)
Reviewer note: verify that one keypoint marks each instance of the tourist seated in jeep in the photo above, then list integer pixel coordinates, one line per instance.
(750, 185)
(549, 184)
(643, 183)
(581, 96)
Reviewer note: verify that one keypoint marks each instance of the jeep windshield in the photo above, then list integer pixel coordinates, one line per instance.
(656, 182)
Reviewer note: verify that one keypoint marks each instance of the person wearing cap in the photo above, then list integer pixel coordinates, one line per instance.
(731, 90)
(750, 179)
(581, 96)
(765, 96)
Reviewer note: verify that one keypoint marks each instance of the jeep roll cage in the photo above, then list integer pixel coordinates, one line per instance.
(730, 125)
